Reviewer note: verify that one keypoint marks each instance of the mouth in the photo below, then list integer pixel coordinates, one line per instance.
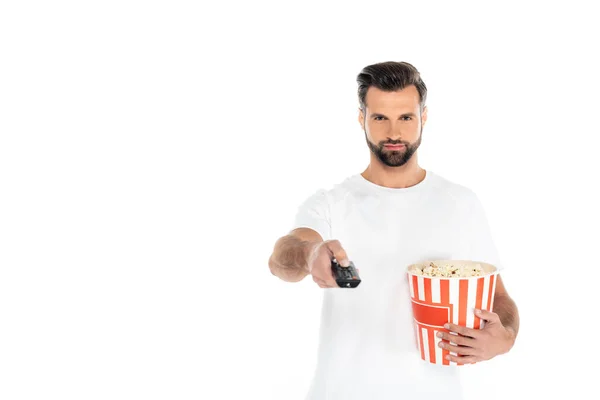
(394, 146)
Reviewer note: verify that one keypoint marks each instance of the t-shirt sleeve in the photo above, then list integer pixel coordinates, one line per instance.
(483, 247)
(314, 213)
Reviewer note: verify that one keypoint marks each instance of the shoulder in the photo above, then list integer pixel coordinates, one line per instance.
(454, 190)
(337, 190)
(323, 197)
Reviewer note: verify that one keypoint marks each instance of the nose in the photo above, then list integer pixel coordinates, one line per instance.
(395, 132)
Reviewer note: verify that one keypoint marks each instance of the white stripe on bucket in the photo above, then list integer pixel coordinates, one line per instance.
(438, 349)
(486, 288)
(493, 291)
(471, 302)
(417, 337)
(435, 291)
(421, 283)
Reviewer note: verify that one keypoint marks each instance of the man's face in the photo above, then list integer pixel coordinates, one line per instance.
(393, 124)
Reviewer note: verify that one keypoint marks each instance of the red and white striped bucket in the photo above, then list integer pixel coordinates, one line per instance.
(438, 300)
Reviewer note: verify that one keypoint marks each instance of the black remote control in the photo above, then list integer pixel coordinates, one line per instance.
(346, 277)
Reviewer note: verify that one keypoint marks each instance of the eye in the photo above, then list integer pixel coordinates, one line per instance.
(406, 118)
(379, 118)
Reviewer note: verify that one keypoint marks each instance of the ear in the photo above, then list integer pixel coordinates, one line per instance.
(361, 117)
(424, 116)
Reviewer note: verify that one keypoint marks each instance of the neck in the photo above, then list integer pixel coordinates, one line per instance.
(405, 176)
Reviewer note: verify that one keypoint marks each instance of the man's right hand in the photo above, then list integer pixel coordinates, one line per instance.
(319, 262)
(303, 252)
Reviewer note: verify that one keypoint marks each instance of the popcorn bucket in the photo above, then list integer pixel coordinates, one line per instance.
(437, 300)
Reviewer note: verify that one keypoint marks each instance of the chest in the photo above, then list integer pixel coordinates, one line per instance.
(384, 233)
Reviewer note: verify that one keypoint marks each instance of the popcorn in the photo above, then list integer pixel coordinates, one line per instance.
(448, 270)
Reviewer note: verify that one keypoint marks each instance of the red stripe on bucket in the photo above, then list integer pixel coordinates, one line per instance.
(445, 292)
(428, 290)
(445, 298)
(463, 293)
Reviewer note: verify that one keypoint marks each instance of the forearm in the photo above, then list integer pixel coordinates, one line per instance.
(507, 310)
(289, 260)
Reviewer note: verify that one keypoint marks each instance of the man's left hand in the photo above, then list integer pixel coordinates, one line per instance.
(474, 345)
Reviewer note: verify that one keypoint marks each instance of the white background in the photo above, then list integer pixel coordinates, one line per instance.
(152, 152)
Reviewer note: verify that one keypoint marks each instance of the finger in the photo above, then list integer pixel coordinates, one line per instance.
(473, 333)
(458, 339)
(325, 278)
(461, 350)
(337, 251)
(332, 282)
(487, 315)
(323, 283)
(462, 359)
(319, 280)
(330, 278)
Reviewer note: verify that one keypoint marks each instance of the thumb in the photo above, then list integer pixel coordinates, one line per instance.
(487, 315)
(342, 262)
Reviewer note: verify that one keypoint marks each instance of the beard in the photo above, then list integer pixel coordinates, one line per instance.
(394, 158)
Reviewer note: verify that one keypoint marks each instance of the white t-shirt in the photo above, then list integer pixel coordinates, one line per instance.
(367, 346)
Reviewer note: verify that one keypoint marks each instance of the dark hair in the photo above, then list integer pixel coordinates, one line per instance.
(389, 76)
